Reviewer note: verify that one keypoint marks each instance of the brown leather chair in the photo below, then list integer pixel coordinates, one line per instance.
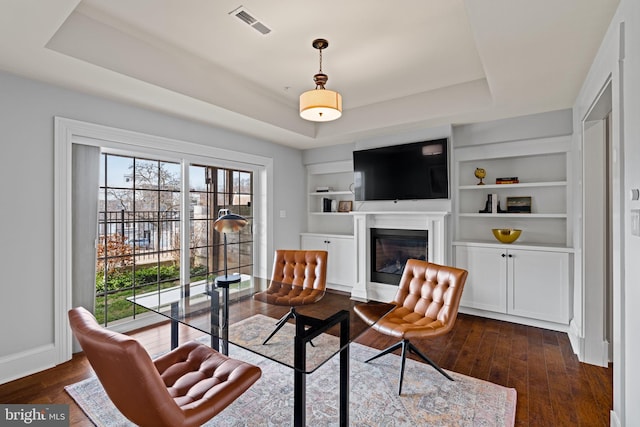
(426, 302)
(299, 277)
(185, 387)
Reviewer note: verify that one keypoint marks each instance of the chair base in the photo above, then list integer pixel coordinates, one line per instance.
(405, 344)
(280, 323)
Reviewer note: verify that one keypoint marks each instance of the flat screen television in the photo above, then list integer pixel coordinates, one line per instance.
(412, 171)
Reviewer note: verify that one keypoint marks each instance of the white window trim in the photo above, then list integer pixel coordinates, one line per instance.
(68, 131)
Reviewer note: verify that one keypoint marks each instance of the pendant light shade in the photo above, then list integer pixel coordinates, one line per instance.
(320, 104)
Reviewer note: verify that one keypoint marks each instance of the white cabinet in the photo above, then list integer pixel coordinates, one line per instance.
(486, 285)
(341, 260)
(531, 283)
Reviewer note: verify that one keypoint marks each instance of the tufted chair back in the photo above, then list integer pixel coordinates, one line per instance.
(301, 268)
(427, 299)
(299, 277)
(185, 387)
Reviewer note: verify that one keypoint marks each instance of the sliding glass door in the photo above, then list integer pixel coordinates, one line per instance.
(141, 215)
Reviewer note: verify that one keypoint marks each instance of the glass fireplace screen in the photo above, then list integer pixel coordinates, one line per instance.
(390, 250)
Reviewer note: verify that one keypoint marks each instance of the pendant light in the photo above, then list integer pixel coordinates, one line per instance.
(320, 104)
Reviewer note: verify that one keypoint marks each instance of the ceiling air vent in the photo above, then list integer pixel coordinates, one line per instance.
(248, 18)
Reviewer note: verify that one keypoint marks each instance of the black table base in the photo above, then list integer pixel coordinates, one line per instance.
(307, 328)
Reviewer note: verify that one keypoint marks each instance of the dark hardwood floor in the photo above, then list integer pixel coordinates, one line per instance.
(554, 389)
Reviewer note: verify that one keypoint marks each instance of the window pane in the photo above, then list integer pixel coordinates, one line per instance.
(146, 173)
(118, 199)
(169, 201)
(169, 176)
(197, 178)
(119, 171)
(147, 201)
(222, 180)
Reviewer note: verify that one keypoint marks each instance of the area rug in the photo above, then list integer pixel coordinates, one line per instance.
(428, 398)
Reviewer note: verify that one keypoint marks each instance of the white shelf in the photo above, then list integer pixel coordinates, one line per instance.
(514, 215)
(331, 193)
(330, 213)
(510, 186)
(515, 245)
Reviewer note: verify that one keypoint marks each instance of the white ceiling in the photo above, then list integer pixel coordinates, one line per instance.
(399, 65)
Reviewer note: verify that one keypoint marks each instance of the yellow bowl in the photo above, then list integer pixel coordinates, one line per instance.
(506, 235)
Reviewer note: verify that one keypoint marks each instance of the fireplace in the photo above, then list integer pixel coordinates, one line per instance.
(390, 250)
(432, 224)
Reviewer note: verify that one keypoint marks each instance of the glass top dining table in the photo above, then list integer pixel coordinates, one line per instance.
(238, 314)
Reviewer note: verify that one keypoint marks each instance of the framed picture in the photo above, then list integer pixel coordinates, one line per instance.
(345, 205)
(519, 204)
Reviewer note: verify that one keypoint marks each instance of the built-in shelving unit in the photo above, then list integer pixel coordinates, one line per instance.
(541, 166)
(331, 231)
(513, 282)
(338, 177)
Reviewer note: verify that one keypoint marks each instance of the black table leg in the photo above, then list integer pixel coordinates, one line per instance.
(344, 372)
(299, 377)
(174, 325)
(307, 328)
(215, 319)
(224, 342)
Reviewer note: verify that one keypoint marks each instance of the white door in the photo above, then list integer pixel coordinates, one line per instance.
(341, 265)
(341, 260)
(539, 285)
(486, 285)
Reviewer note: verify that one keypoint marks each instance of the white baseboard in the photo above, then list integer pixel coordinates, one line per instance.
(592, 353)
(27, 362)
(340, 288)
(515, 319)
(576, 339)
(358, 295)
(614, 421)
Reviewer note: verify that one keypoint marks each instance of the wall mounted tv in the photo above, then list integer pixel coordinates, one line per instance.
(412, 171)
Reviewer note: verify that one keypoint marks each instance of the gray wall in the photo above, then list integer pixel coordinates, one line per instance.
(552, 123)
(27, 110)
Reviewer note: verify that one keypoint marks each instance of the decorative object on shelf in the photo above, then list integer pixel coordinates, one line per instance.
(508, 180)
(320, 104)
(345, 206)
(491, 205)
(480, 174)
(519, 204)
(323, 189)
(326, 204)
(487, 205)
(506, 235)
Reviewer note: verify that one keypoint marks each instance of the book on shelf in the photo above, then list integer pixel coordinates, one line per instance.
(494, 202)
(507, 180)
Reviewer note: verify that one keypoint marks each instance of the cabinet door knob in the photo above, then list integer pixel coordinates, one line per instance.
(503, 255)
(510, 256)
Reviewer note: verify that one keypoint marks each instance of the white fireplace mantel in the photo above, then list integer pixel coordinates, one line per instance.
(434, 222)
